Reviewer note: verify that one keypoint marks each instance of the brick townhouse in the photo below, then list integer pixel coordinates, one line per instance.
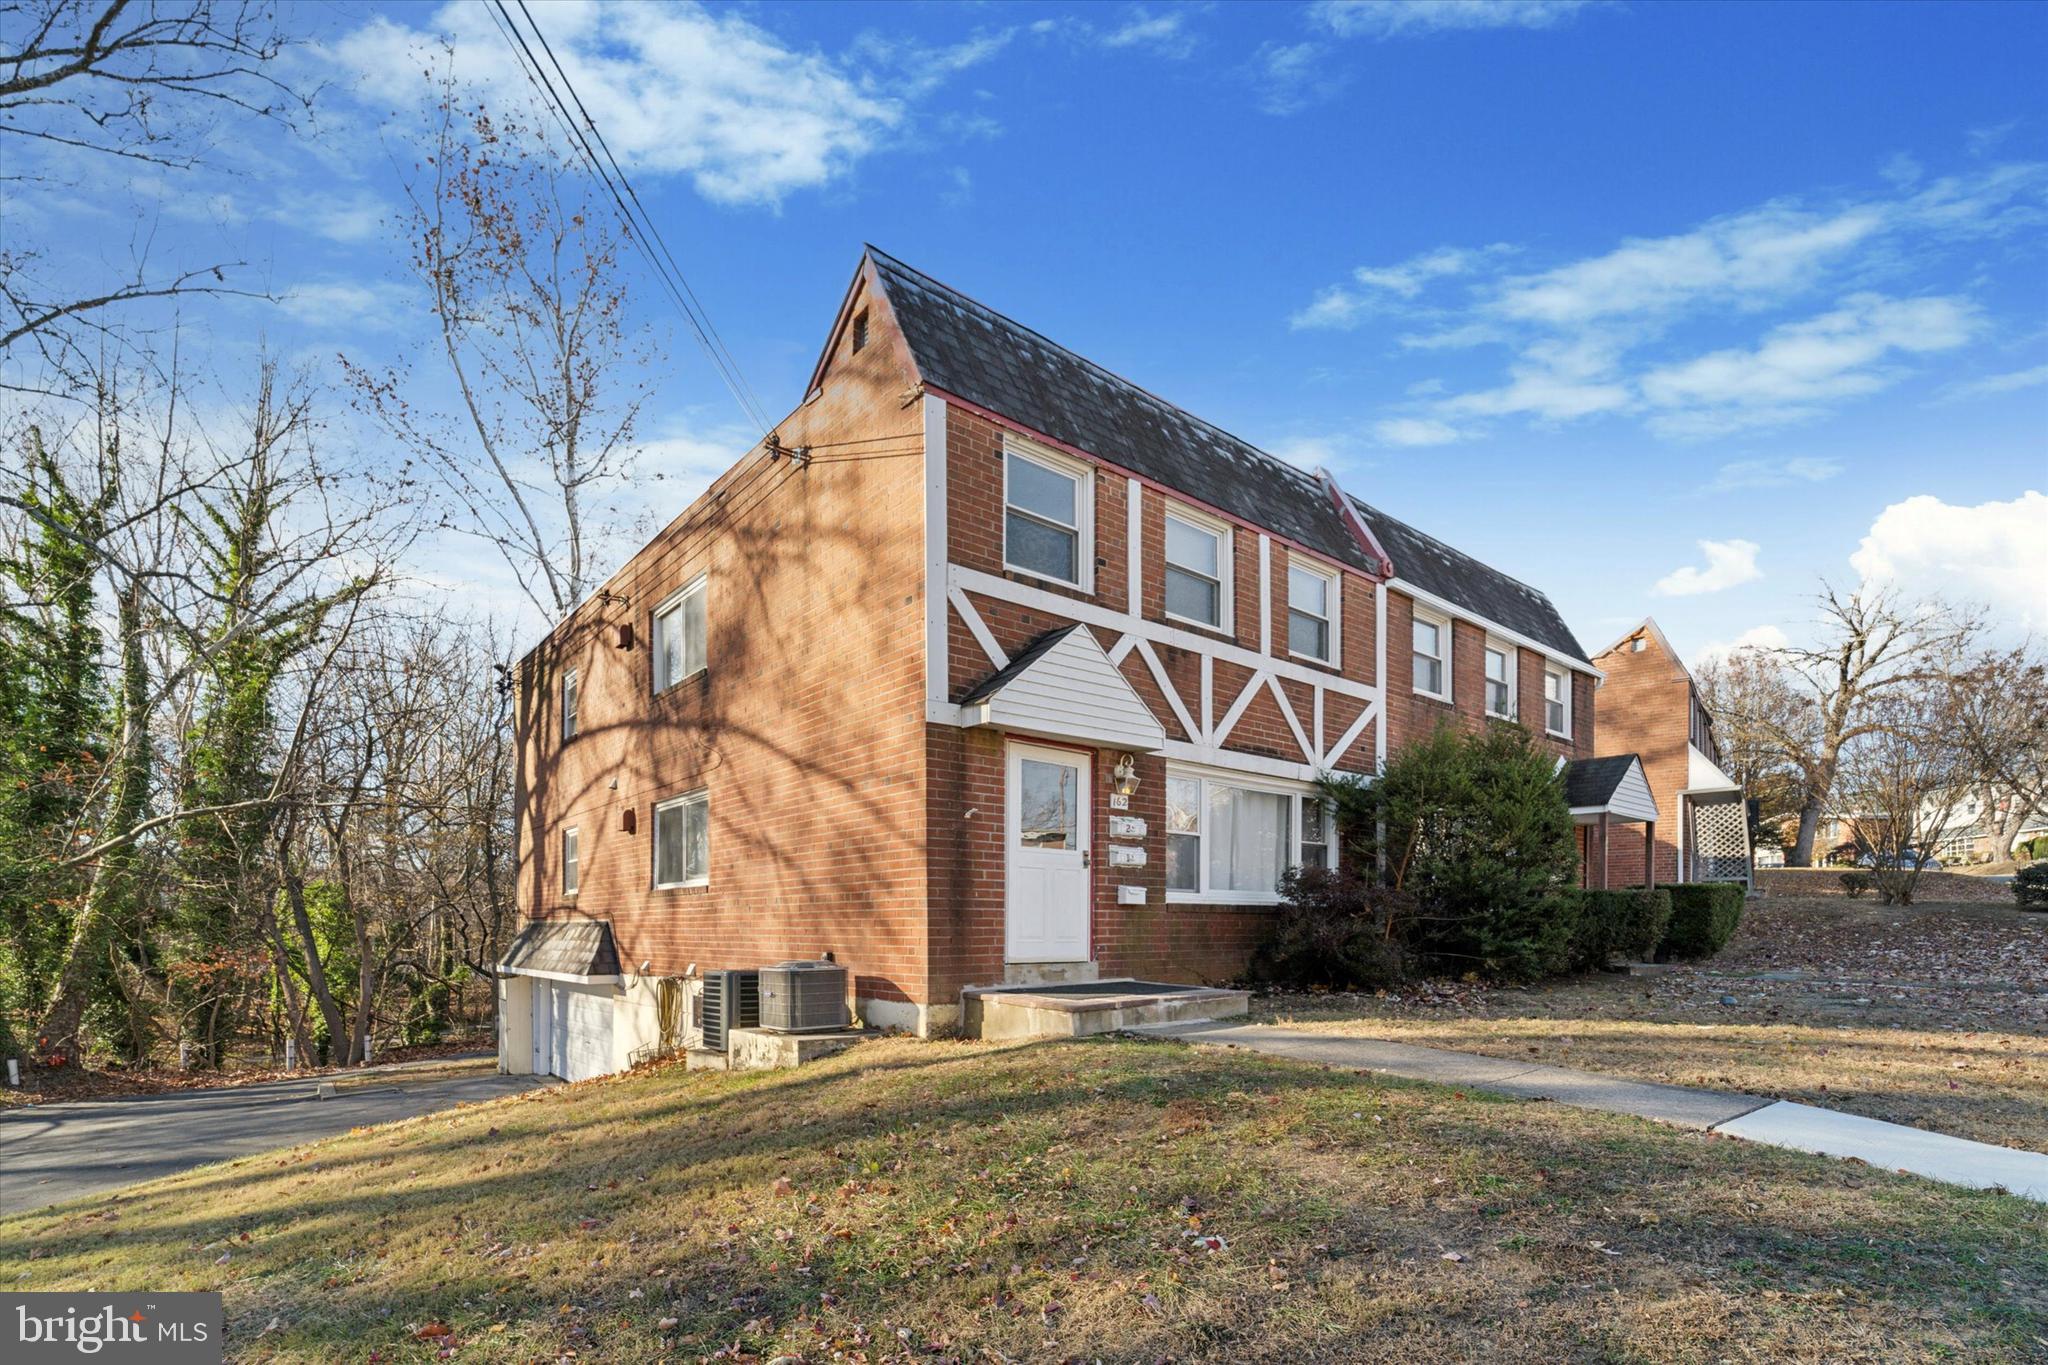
(1650, 706)
(986, 666)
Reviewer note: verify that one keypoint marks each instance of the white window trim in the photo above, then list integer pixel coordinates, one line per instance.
(572, 716)
(1298, 791)
(702, 796)
(674, 602)
(1336, 609)
(1511, 656)
(1084, 511)
(572, 835)
(1226, 565)
(1566, 675)
(1444, 633)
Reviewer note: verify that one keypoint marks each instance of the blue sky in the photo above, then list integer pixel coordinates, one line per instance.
(1666, 309)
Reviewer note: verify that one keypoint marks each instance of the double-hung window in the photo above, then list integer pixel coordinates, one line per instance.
(1045, 518)
(682, 841)
(1311, 614)
(1228, 841)
(1557, 702)
(679, 628)
(1433, 656)
(572, 689)
(571, 861)
(1500, 680)
(1197, 569)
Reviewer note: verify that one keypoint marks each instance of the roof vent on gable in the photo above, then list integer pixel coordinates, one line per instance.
(860, 331)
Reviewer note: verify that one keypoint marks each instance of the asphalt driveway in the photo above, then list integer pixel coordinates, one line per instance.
(53, 1152)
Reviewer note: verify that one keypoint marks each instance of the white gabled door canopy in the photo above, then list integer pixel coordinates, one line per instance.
(1062, 686)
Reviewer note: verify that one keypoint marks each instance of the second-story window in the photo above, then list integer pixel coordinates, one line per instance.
(571, 686)
(572, 871)
(1433, 656)
(1557, 702)
(1197, 570)
(679, 637)
(1311, 613)
(1044, 513)
(1500, 681)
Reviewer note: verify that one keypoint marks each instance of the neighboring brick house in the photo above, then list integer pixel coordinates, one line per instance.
(988, 666)
(1650, 706)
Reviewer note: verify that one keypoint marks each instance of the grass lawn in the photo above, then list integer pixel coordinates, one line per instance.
(1935, 1016)
(1113, 1199)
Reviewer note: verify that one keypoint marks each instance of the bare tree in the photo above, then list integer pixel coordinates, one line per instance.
(1764, 723)
(1999, 703)
(139, 81)
(521, 270)
(1901, 781)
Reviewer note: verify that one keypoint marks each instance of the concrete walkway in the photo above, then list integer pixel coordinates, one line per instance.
(1888, 1146)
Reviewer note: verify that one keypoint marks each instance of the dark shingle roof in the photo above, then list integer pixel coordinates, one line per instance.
(578, 947)
(977, 354)
(981, 356)
(996, 681)
(1428, 563)
(1592, 781)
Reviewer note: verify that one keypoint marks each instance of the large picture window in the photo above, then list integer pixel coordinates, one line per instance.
(1044, 516)
(1197, 570)
(682, 841)
(679, 627)
(1229, 841)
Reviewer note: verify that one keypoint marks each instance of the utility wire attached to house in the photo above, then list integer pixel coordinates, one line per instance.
(639, 225)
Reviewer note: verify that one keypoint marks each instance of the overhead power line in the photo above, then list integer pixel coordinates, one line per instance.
(639, 225)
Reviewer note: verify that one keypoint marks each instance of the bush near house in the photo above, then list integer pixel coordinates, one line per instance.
(1472, 834)
(1703, 918)
(2030, 887)
(1614, 926)
(1334, 929)
(1854, 884)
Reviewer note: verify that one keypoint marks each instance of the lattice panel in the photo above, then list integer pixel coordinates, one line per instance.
(1720, 842)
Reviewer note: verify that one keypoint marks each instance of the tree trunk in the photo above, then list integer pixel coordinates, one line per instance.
(113, 877)
(316, 970)
(1809, 822)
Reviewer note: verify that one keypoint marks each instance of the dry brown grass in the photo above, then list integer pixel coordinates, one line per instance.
(1935, 1016)
(965, 1201)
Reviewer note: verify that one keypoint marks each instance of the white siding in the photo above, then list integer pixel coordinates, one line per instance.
(1072, 691)
(1632, 799)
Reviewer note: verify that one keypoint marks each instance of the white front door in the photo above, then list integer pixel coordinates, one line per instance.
(1046, 835)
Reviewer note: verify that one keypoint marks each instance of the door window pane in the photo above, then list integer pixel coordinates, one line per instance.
(1048, 800)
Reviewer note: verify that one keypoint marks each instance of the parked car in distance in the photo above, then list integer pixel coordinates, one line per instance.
(1918, 859)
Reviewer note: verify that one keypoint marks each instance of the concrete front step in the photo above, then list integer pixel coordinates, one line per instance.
(1076, 1011)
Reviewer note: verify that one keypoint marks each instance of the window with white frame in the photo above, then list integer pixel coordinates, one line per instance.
(1500, 680)
(1197, 569)
(1557, 702)
(571, 869)
(1045, 517)
(1228, 840)
(679, 629)
(1432, 656)
(1311, 613)
(682, 841)
(572, 689)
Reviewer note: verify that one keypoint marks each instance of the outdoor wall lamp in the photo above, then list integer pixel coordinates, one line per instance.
(1123, 779)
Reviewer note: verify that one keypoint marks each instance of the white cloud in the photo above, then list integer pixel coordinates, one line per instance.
(1999, 383)
(1292, 76)
(1415, 431)
(373, 304)
(1743, 474)
(1400, 18)
(1995, 552)
(1756, 637)
(1341, 307)
(678, 90)
(1165, 34)
(1800, 367)
(1730, 563)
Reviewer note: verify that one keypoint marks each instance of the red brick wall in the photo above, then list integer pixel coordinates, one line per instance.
(807, 728)
(1413, 716)
(1645, 709)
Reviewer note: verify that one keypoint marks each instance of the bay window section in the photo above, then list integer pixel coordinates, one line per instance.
(1228, 841)
(1043, 510)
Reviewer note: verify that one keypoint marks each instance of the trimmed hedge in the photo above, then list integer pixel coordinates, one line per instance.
(1703, 918)
(1609, 925)
(2030, 887)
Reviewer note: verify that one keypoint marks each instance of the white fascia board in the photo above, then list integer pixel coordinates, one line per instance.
(1449, 608)
(569, 977)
